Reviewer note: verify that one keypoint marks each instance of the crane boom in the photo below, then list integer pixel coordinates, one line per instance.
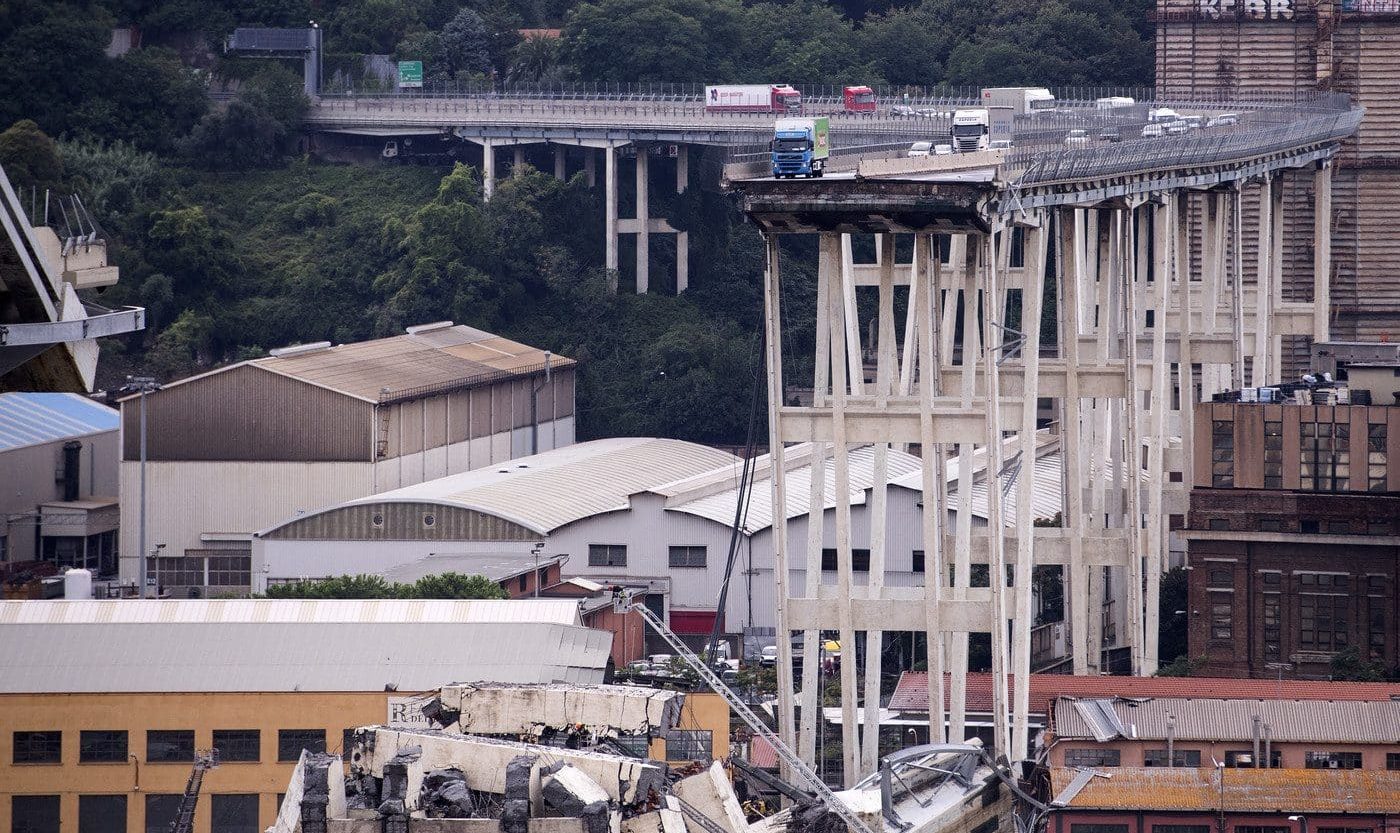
(622, 603)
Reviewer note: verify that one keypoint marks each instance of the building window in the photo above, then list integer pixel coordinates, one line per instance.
(690, 745)
(1375, 626)
(1255, 828)
(238, 745)
(1332, 760)
(1392, 761)
(1270, 525)
(38, 747)
(1345, 830)
(1244, 759)
(1222, 578)
(233, 813)
(607, 555)
(1322, 619)
(1092, 757)
(102, 747)
(101, 814)
(161, 809)
(1180, 757)
(1339, 527)
(687, 556)
(1222, 616)
(290, 742)
(230, 571)
(170, 746)
(1222, 454)
(1375, 457)
(918, 561)
(1098, 828)
(1272, 616)
(176, 571)
(34, 814)
(1181, 828)
(1324, 456)
(1271, 578)
(1273, 454)
(988, 826)
(1220, 524)
(860, 560)
(1175, 522)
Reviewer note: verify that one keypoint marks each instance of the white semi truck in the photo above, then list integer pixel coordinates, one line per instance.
(1021, 100)
(971, 130)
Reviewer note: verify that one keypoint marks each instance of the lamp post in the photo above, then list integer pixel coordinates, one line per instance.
(141, 385)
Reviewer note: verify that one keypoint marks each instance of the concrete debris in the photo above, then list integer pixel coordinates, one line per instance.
(315, 793)
(605, 710)
(815, 817)
(567, 791)
(484, 761)
(520, 772)
(711, 794)
(445, 795)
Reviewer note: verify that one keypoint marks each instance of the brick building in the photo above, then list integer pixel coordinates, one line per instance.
(1294, 535)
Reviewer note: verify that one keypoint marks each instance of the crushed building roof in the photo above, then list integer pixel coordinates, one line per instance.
(34, 418)
(1209, 719)
(424, 361)
(1189, 789)
(911, 692)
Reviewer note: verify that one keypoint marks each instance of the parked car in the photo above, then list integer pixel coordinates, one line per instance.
(1077, 139)
(1193, 122)
(1153, 131)
(1176, 128)
(942, 150)
(1224, 120)
(1110, 134)
(920, 149)
(769, 657)
(903, 111)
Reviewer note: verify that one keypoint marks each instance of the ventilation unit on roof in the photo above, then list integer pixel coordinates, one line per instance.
(427, 328)
(299, 349)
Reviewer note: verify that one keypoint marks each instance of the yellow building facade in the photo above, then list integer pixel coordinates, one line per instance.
(100, 786)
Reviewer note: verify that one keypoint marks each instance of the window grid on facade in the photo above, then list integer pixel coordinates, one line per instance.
(916, 563)
(1322, 621)
(1222, 454)
(169, 746)
(238, 745)
(34, 814)
(1375, 457)
(1092, 757)
(1098, 828)
(161, 809)
(230, 571)
(1375, 627)
(1180, 757)
(1273, 621)
(233, 813)
(1324, 457)
(1244, 759)
(1392, 761)
(290, 742)
(1222, 616)
(38, 747)
(1181, 828)
(101, 814)
(176, 571)
(1346, 830)
(1257, 828)
(690, 745)
(686, 556)
(1332, 760)
(860, 560)
(607, 555)
(102, 747)
(1273, 454)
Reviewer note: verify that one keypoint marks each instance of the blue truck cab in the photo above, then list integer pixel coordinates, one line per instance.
(800, 147)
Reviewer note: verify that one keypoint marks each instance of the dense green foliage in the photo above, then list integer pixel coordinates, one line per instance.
(235, 245)
(442, 586)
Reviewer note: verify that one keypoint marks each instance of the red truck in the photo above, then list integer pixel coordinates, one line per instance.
(860, 100)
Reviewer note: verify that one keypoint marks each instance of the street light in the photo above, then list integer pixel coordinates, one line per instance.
(142, 385)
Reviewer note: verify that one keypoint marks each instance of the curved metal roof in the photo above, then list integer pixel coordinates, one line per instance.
(34, 418)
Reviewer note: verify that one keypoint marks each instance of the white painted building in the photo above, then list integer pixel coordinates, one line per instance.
(237, 449)
(651, 512)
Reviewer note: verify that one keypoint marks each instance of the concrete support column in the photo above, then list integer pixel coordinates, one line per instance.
(996, 544)
(925, 283)
(1076, 576)
(488, 168)
(773, 339)
(643, 218)
(590, 167)
(1322, 252)
(682, 168)
(1237, 286)
(682, 237)
(1264, 287)
(517, 163)
(610, 213)
(1125, 227)
(1162, 240)
(559, 162)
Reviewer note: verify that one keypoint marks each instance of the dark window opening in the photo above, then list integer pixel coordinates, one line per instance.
(238, 745)
(170, 746)
(101, 814)
(918, 561)
(233, 813)
(34, 814)
(687, 556)
(860, 560)
(607, 555)
(690, 745)
(1332, 760)
(102, 747)
(290, 742)
(161, 809)
(1180, 757)
(38, 747)
(1093, 757)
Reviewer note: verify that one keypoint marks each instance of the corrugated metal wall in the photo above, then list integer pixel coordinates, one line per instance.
(402, 522)
(1218, 57)
(246, 413)
(406, 427)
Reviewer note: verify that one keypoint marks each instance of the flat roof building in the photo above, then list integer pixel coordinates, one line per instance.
(240, 448)
(104, 703)
(58, 506)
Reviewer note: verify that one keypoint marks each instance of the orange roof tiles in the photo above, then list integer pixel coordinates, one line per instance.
(911, 694)
(1245, 790)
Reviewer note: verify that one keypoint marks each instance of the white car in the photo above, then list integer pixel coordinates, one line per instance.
(1193, 122)
(997, 144)
(1176, 128)
(1153, 131)
(942, 150)
(769, 655)
(1077, 139)
(919, 149)
(1224, 120)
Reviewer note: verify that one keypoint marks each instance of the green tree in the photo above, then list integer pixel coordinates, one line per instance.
(657, 40)
(30, 157)
(537, 59)
(113, 179)
(1350, 665)
(150, 99)
(1182, 666)
(258, 128)
(455, 586)
(443, 586)
(466, 43)
(369, 26)
(51, 60)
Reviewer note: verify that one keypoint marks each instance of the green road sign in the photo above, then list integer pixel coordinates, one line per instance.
(410, 73)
